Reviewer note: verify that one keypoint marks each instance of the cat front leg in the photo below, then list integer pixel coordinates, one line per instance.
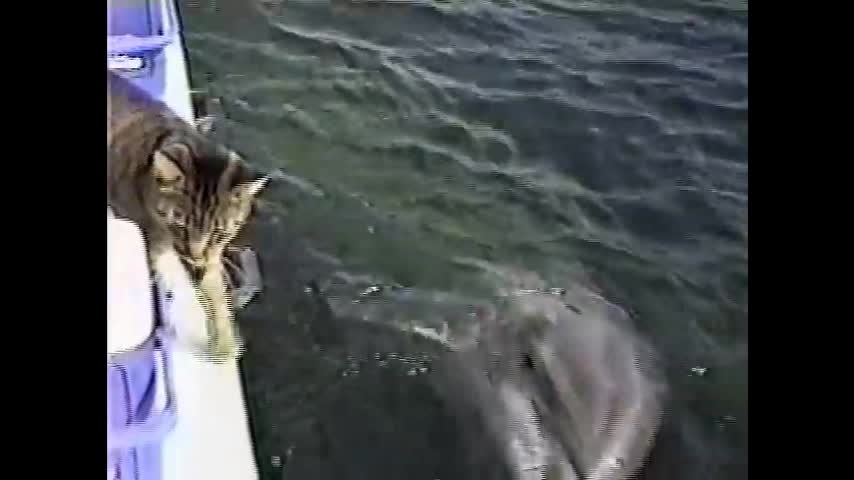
(224, 342)
(182, 312)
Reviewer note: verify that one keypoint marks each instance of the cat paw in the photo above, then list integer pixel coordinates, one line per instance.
(223, 350)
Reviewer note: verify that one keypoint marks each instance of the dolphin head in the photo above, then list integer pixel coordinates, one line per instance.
(564, 387)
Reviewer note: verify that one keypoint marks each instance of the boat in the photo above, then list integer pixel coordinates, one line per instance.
(186, 418)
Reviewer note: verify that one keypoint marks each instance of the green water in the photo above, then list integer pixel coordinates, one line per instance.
(603, 142)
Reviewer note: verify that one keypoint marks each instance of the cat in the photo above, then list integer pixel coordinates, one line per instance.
(188, 194)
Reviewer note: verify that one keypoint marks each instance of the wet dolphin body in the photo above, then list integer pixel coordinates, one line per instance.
(559, 387)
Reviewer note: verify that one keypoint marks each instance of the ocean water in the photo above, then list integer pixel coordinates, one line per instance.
(426, 145)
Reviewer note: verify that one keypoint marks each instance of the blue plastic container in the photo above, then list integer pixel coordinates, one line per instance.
(140, 410)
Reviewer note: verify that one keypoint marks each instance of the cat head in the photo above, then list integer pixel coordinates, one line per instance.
(204, 196)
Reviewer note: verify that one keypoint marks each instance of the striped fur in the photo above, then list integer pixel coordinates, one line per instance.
(186, 193)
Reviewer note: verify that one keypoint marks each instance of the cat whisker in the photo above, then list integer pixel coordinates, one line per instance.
(230, 263)
(230, 281)
(233, 271)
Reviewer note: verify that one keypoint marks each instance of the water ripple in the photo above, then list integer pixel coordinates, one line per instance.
(560, 136)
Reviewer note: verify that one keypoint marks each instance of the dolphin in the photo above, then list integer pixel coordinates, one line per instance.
(559, 384)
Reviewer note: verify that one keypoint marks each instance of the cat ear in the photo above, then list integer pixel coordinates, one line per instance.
(166, 171)
(205, 124)
(246, 192)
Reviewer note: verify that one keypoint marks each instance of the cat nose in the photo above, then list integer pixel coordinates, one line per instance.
(196, 268)
(197, 272)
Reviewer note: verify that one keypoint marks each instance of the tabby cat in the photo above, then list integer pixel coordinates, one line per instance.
(187, 194)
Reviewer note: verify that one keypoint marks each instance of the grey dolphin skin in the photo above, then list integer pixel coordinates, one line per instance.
(560, 385)
(544, 383)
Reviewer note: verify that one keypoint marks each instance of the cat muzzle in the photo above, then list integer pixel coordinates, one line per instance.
(196, 269)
